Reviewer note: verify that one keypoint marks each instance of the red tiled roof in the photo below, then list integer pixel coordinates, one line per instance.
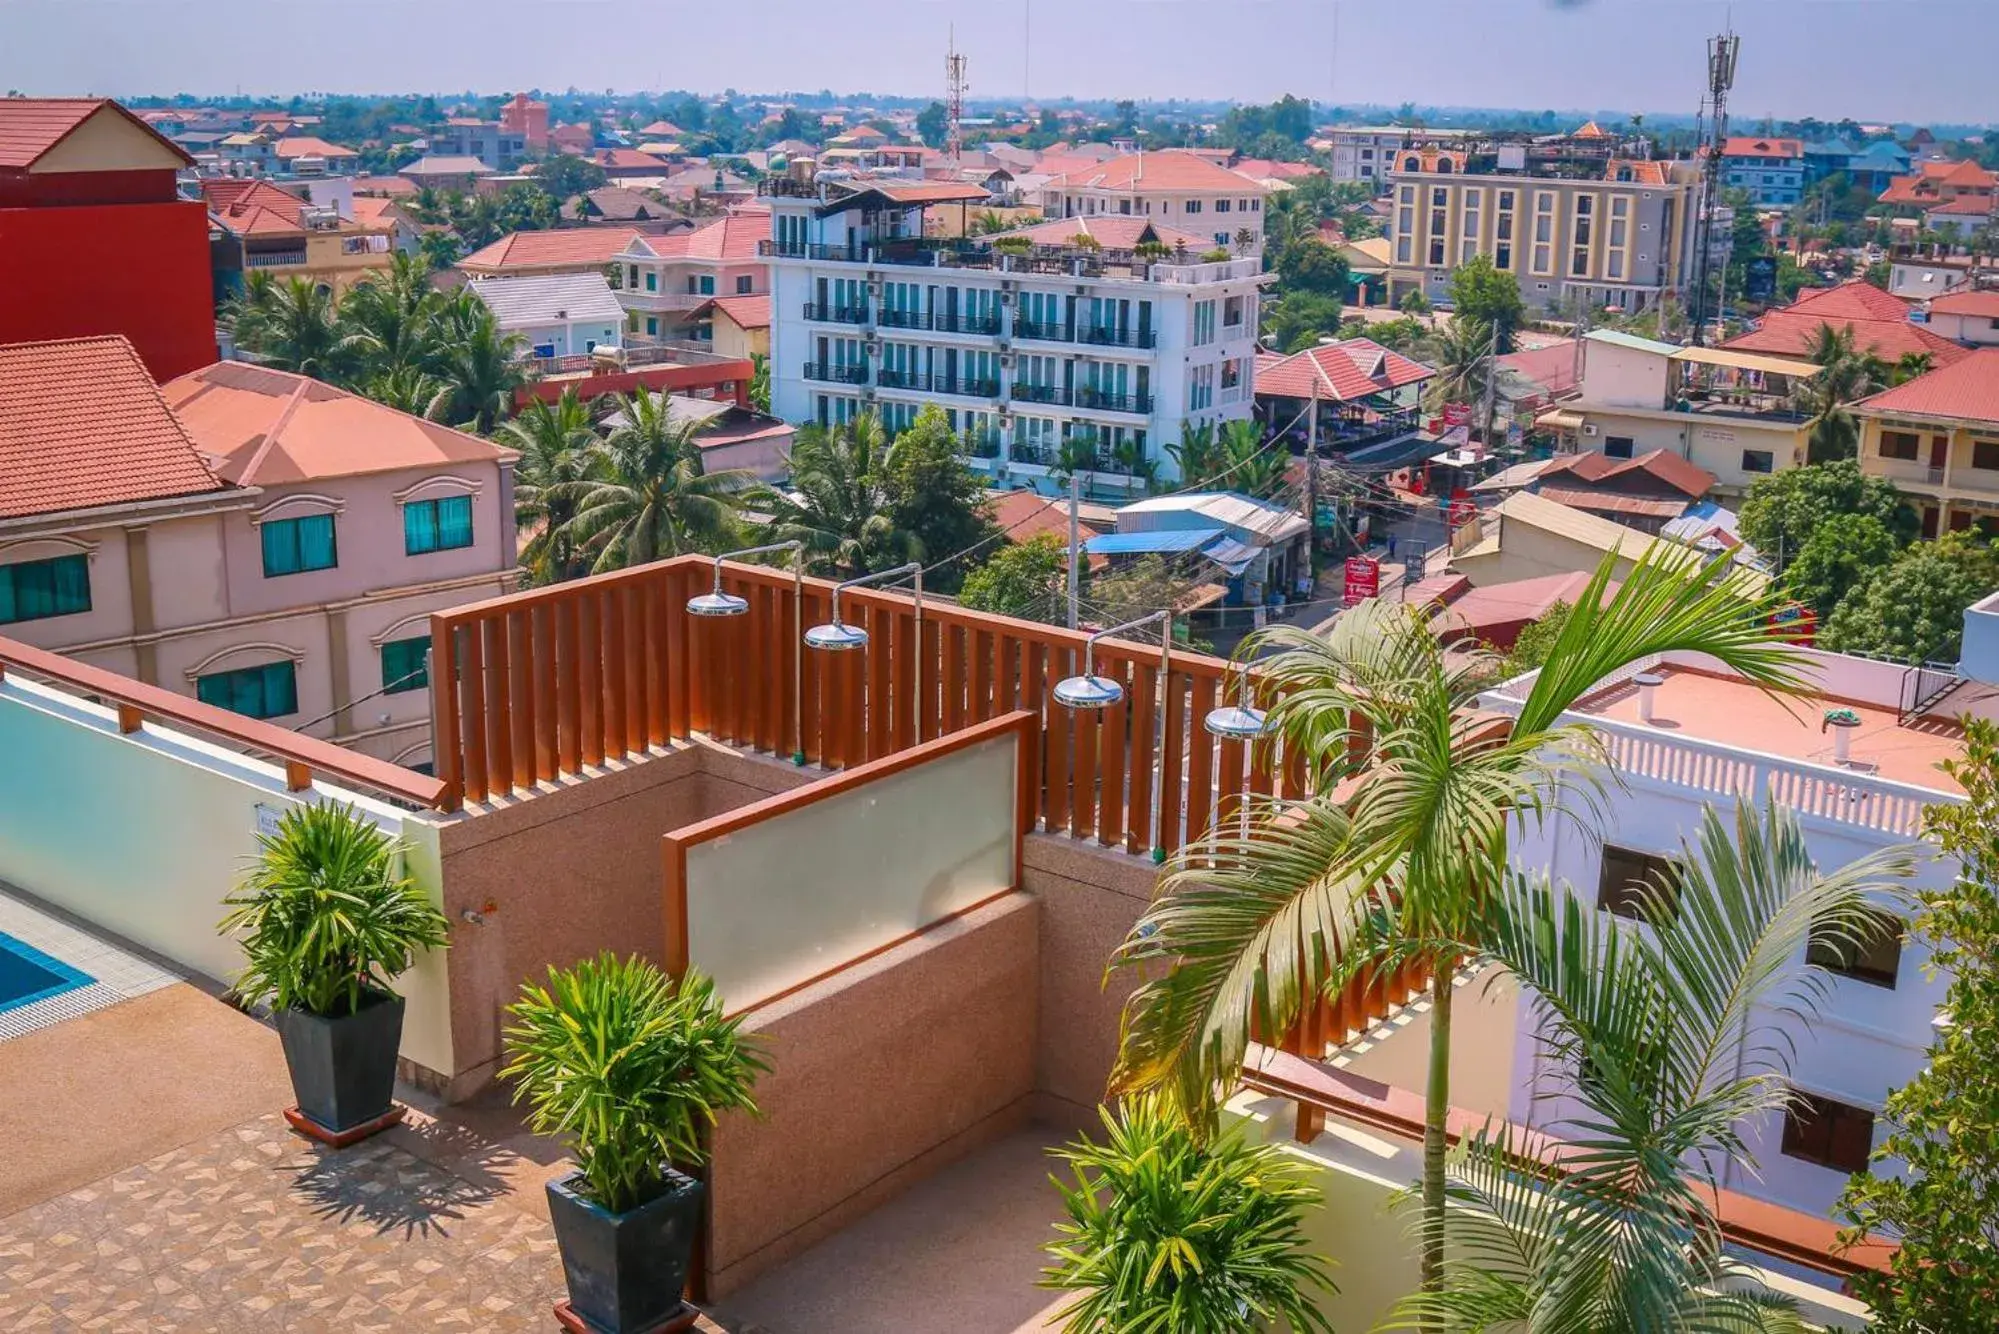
(305, 145)
(1971, 206)
(1966, 391)
(1164, 169)
(1985, 302)
(727, 238)
(662, 129)
(1640, 171)
(31, 126)
(1552, 367)
(1024, 516)
(1851, 300)
(82, 425)
(1659, 465)
(627, 157)
(748, 312)
(1744, 146)
(568, 247)
(1112, 231)
(1346, 370)
(254, 208)
(1878, 321)
(269, 427)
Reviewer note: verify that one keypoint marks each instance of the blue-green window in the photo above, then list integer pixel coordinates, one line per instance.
(437, 525)
(293, 546)
(707, 284)
(270, 691)
(37, 588)
(406, 665)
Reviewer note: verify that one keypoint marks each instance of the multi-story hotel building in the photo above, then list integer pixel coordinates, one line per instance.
(1937, 439)
(1366, 153)
(1170, 188)
(1612, 234)
(1105, 329)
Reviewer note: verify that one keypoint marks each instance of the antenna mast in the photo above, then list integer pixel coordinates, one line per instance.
(954, 99)
(1721, 56)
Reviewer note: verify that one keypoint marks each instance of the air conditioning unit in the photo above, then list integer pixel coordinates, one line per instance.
(1006, 361)
(1082, 289)
(1589, 428)
(1008, 285)
(871, 346)
(874, 287)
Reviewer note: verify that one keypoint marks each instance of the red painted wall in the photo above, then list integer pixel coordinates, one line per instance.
(64, 188)
(141, 270)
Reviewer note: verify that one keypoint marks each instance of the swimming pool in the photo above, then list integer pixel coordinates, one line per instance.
(27, 975)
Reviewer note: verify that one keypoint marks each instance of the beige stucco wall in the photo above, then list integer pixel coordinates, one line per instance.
(879, 1075)
(1528, 553)
(733, 340)
(1713, 442)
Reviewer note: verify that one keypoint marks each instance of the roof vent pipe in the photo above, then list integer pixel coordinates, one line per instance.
(1648, 691)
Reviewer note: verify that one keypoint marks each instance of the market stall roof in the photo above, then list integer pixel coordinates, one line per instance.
(1748, 361)
(1164, 541)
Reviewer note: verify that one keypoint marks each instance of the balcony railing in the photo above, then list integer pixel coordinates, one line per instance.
(1024, 392)
(987, 325)
(825, 314)
(820, 370)
(1117, 337)
(1046, 261)
(889, 378)
(1107, 402)
(1043, 330)
(273, 259)
(902, 319)
(965, 386)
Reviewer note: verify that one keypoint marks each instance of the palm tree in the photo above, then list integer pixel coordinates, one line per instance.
(1910, 365)
(1459, 349)
(408, 389)
(390, 319)
(1666, 1046)
(1848, 375)
(646, 496)
(1076, 456)
(1249, 463)
(840, 500)
(1129, 457)
(1298, 897)
(558, 446)
(480, 363)
(294, 326)
(1197, 454)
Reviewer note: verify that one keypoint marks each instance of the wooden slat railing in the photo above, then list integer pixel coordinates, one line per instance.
(303, 758)
(542, 685)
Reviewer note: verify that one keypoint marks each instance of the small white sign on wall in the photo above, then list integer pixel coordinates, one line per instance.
(267, 820)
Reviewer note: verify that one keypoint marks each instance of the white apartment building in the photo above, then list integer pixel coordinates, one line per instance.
(1171, 188)
(1025, 343)
(1367, 152)
(1679, 736)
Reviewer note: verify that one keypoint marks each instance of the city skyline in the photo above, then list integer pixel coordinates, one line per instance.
(1800, 57)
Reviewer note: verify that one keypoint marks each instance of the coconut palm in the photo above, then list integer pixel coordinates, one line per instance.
(558, 446)
(1299, 896)
(292, 325)
(390, 319)
(1459, 350)
(840, 500)
(1130, 457)
(1848, 375)
(1665, 1050)
(409, 389)
(1250, 464)
(646, 496)
(478, 362)
(1197, 454)
(1076, 456)
(1912, 364)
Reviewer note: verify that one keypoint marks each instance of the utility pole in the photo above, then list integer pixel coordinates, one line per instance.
(1491, 388)
(1721, 57)
(1075, 546)
(1312, 489)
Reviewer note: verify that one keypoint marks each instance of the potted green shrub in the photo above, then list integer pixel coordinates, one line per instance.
(1170, 1232)
(327, 919)
(629, 1067)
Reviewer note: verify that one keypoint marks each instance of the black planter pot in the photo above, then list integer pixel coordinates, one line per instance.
(625, 1271)
(344, 1069)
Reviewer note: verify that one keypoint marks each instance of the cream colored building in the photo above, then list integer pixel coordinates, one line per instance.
(1728, 412)
(1937, 439)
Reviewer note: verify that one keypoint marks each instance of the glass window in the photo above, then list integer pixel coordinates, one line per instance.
(406, 665)
(293, 546)
(1630, 880)
(1617, 446)
(1758, 460)
(652, 282)
(744, 282)
(707, 284)
(1985, 453)
(1872, 955)
(1193, 206)
(270, 691)
(437, 525)
(34, 589)
(1828, 1132)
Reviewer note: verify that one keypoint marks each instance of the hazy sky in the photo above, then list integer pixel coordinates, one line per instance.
(1871, 59)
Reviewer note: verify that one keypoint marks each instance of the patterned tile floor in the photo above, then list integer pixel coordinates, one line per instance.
(255, 1229)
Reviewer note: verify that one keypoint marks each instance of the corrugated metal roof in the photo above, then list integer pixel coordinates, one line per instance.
(1226, 507)
(1631, 341)
(1171, 541)
(1749, 361)
(550, 298)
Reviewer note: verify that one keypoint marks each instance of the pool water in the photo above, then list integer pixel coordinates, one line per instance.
(27, 975)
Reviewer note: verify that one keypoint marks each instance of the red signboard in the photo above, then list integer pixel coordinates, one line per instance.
(1793, 621)
(1457, 414)
(1363, 579)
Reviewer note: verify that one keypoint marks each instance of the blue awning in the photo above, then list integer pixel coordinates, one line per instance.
(1165, 542)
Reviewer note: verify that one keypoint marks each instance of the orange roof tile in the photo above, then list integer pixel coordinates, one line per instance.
(254, 208)
(627, 157)
(727, 238)
(82, 425)
(1965, 391)
(1984, 303)
(1739, 145)
(1346, 370)
(270, 427)
(569, 247)
(1163, 169)
(1851, 300)
(305, 145)
(1790, 333)
(31, 126)
(748, 312)
(1659, 465)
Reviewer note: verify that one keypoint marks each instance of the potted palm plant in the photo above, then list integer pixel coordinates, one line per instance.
(327, 919)
(630, 1067)
(1168, 1231)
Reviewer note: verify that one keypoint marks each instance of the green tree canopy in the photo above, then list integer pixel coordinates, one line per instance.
(1944, 1209)
(1310, 265)
(1782, 510)
(565, 175)
(1913, 611)
(1483, 292)
(1841, 554)
(934, 497)
(1022, 579)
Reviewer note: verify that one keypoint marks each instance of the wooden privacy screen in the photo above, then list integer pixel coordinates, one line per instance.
(541, 685)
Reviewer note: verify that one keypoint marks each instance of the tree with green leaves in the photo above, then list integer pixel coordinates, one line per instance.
(760, 381)
(1490, 296)
(1298, 897)
(1537, 639)
(563, 176)
(558, 448)
(1665, 1045)
(933, 496)
(842, 500)
(1913, 611)
(1846, 376)
(1413, 302)
(1461, 349)
(480, 364)
(1296, 320)
(1783, 510)
(1168, 1232)
(1938, 1193)
(1310, 265)
(647, 495)
(1024, 579)
(1841, 554)
(1249, 463)
(293, 325)
(390, 318)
